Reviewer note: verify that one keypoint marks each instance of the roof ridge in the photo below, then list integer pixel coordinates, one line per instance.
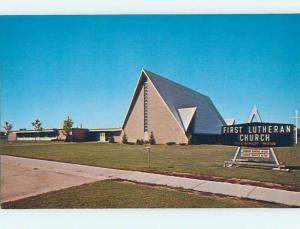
(177, 96)
(174, 82)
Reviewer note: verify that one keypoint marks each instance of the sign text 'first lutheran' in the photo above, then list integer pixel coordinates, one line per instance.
(258, 134)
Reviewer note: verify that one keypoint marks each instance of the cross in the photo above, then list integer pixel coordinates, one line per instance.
(296, 125)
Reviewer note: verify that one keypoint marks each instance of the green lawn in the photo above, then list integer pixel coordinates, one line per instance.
(194, 159)
(118, 194)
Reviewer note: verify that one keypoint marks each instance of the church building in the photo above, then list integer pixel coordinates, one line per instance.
(171, 112)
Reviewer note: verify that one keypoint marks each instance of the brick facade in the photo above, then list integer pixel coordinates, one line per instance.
(160, 120)
(134, 127)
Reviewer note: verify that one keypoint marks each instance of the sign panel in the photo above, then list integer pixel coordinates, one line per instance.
(259, 153)
(259, 134)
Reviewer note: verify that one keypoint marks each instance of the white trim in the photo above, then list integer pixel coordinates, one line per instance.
(33, 131)
(106, 130)
(35, 139)
(229, 121)
(254, 114)
(186, 115)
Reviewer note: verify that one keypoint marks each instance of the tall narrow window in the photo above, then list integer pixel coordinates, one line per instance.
(145, 106)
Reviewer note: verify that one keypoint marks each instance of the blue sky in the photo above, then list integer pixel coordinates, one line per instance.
(87, 67)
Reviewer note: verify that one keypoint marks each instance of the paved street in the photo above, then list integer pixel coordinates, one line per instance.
(23, 177)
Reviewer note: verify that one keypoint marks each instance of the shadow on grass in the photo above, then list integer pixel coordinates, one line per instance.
(293, 167)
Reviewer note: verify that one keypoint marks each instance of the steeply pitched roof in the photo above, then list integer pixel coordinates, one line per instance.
(207, 119)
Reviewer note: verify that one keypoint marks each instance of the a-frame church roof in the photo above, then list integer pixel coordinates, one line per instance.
(254, 115)
(185, 104)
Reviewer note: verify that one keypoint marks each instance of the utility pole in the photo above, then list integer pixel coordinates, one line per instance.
(296, 126)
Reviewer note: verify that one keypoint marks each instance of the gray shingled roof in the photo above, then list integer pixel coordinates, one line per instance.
(207, 119)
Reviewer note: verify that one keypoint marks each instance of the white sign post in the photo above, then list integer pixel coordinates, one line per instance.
(296, 126)
(148, 148)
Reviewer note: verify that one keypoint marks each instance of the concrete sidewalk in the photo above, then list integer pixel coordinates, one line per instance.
(97, 173)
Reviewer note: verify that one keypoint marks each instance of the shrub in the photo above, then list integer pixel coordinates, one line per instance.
(130, 143)
(124, 138)
(139, 142)
(68, 138)
(56, 140)
(190, 140)
(111, 139)
(171, 143)
(146, 142)
(152, 139)
(182, 144)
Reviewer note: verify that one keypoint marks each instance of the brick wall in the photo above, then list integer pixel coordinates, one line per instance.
(160, 120)
(134, 127)
(164, 126)
(12, 136)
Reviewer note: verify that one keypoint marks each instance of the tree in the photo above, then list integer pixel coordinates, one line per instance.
(8, 127)
(37, 125)
(124, 138)
(67, 128)
(152, 139)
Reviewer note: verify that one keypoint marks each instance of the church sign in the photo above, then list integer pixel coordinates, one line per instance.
(259, 134)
